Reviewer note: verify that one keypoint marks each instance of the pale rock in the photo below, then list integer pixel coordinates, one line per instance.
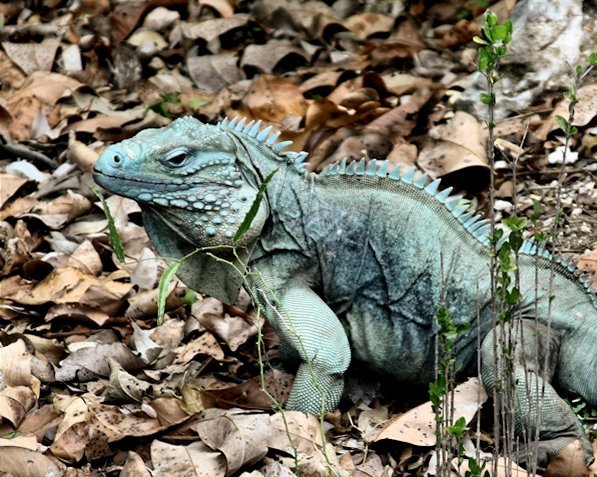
(160, 18)
(547, 37)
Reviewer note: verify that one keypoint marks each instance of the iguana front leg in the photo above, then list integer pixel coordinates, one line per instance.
(314, 333)
(558, 424)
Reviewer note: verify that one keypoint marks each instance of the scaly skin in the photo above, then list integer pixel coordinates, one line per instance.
(352, 259)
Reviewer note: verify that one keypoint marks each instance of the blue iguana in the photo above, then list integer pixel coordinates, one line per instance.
(353, 263)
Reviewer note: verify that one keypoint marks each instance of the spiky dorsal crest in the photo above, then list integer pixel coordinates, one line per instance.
(474, 223)
(265, 135)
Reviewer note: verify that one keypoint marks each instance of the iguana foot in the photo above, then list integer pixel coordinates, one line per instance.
(572, 460)
(559, 453)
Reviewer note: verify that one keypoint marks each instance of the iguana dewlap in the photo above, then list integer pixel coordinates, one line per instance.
(353, 264)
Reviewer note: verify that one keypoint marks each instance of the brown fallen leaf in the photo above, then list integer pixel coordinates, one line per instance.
(21, 441)
(417, 426)
(38, 465)
(171, 460)
(10, 185)
(456, 152)
(584, 111)
(15, 402)
(274, 99)
(274, 57)
(134, 466)
(91, 361)
(303, 429)
(32, 57)
(15, 364)
(233, 330)
(214, 72)
(73, 286)
(240, 436)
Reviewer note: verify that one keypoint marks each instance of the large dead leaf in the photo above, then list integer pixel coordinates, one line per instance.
(73, 286)
(275, 100)
(241, 437)
(196, 458)
(38, 465)
(417, 426)
(456, 151)
(91, 361)
(10, 185)
(584, 111)
(15, 364)
(214, 72)
(32, 57)
(275, 57)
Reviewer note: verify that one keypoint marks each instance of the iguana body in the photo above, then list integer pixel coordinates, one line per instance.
(356, 258)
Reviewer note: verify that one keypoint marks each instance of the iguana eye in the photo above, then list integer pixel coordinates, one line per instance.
(175, 158)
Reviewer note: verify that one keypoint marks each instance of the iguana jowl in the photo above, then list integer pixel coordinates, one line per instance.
(355, 258)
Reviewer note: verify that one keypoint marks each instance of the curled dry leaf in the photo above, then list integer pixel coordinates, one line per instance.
(571, 461)
(21, 441)
(240, 436)
(87, 363)
(86, 259)
(249, 395)
(122, 386)
(234, 330)
(367, 24)
(214, 72)
(303, 429)
(10, 185)
(196, 459)
(75, 311)
(15, 364)
(32, 57)
(15, 402)
(134, 466)
(417, 426)
(214, 30)
(456, 152)
(584, 111)
(58, 212)
(38, 465)
(205, 344)
(117, 425)
(274, 57)
(169, 411)
(274, 100)
(73, 286)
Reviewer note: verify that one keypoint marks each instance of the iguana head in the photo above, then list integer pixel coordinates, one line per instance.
(195, 184)
(190, 174)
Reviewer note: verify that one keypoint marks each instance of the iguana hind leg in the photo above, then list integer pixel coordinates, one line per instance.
(558, 424)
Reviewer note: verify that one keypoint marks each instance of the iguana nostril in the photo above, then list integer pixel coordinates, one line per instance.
(117, 159)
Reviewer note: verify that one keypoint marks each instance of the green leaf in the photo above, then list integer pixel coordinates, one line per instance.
(579, 71)
(114, 235)
(500, 33)
(592, 58)
(562, 122)
(165, 280)
(515, 223)
(248, 220)
(487, 99)
(490, 18)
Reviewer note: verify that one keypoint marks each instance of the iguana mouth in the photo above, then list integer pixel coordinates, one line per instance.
(155, 184)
